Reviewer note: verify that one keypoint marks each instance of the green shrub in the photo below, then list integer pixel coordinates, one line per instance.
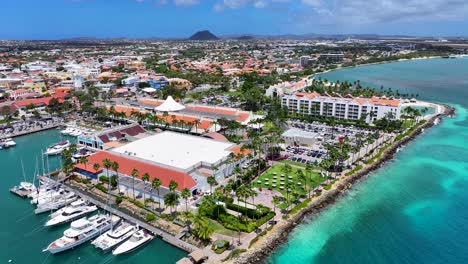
(298, 207)
(150, 217)
(219, 246)
(234, 253)
(356, 169)
(104, 179)
(86, 181)
(101, 188)
(118, 199)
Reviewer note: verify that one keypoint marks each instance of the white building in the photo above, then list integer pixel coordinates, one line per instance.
(354, 108)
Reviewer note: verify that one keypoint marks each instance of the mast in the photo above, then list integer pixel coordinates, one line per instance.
(22, 169)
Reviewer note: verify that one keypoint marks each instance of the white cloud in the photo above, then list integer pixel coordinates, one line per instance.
(235, 4)
(185, 2)
(372, 11)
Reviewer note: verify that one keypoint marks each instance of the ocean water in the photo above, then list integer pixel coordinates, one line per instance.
(22, 233)
(415, 208)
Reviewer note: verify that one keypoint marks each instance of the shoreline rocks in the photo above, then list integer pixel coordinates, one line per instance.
(263, 250)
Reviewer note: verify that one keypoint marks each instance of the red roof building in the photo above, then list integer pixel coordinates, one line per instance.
(126, 166)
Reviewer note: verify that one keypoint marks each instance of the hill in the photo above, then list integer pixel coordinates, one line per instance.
(203, 35)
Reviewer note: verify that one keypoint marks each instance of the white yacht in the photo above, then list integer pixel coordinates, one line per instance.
(80, 231)
(8, 142)
(137, 240)
(57, 148)
(67, 130)
(76, 210)
(56, 204)
(115, 236)
(81, 152)
(48, 196)
(76, 132)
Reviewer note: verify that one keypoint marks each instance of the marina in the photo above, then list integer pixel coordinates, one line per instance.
(24, 221)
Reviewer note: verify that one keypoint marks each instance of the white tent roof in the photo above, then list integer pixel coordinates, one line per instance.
(170, 105)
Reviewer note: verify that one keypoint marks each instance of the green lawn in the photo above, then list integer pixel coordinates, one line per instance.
(407, 123)
(290, 162)
(268, 177)
(218, 228)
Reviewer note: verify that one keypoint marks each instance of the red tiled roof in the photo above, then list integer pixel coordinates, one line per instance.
(126, 165)
(44, 100)
(216, 136)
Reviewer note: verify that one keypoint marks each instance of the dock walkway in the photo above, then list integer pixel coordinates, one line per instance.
(156, 231)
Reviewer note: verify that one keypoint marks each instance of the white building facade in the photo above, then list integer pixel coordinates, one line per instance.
(353, 108)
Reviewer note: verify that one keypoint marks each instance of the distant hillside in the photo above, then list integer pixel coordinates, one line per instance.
(245, 37)
(203, 35)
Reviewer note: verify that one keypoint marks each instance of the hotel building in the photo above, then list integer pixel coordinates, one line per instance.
(354, 108)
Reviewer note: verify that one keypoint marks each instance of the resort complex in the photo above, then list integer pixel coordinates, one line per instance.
(347, 107)
(211, 150)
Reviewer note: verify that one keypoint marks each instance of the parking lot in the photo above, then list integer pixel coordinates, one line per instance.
(306, 142)
(304, 155)
(21, 126)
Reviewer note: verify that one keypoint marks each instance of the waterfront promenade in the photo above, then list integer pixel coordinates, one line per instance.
(32, 130)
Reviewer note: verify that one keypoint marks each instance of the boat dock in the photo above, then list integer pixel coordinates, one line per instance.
(30, 131)
(156, 231)
(20, 193)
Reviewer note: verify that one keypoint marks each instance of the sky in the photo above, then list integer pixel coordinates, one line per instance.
(57, 19)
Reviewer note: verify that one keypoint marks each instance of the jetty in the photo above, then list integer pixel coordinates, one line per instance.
(175, 241)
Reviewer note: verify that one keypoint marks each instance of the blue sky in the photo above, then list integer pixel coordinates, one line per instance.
(55, 19)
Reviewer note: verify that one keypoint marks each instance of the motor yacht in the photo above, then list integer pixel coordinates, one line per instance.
(57, 148)
(80, 231)
(137, 240)
(115, 236)
(67, 130)
(76, 210)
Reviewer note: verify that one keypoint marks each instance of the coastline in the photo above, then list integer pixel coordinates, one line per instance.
(382, 62)
(280, 233)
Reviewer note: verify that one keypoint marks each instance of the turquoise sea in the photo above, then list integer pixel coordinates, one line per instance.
(415, 208)
(22, 233)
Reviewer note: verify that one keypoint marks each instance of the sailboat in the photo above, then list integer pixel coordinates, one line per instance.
(24, 188)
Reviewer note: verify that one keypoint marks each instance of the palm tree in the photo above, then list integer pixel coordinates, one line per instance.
(107, 164)
(96, 166)
(156, 184)
(197, 122)
(83, 160)
(173, 185)
(135, 173)
(308, 178)
(302, 177)
(170, 199)
(211, 181)
(145, 178)
(288, 186)
(115, 167)
(215, 123)
(186, 194)
(275, 200)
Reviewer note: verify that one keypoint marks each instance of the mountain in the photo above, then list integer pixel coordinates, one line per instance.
(203, 35)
